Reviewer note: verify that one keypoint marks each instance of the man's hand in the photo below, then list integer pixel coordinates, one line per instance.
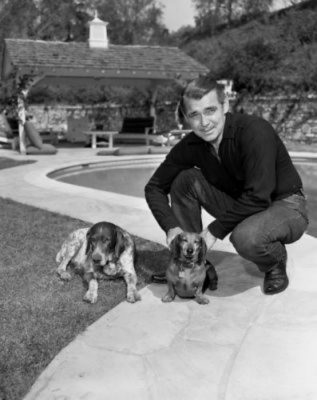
(171, 234)
(209, 238)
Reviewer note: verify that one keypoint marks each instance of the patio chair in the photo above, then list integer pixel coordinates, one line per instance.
(136, 130)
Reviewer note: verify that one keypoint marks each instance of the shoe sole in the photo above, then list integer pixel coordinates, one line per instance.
(279, 290)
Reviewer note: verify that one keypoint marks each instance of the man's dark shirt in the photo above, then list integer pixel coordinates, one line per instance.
(254, 169)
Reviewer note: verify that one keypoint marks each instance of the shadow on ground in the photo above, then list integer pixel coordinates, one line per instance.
(235, 274)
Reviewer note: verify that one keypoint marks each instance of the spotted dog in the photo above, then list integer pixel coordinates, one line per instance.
(188, 273)
(102, 251)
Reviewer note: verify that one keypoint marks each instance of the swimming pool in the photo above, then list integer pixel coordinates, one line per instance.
(130, 181)
(129, 178)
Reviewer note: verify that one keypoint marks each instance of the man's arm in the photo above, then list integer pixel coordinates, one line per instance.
(158, 187)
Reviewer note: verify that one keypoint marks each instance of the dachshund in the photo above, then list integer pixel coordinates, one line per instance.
(189, 274)
(104, 251)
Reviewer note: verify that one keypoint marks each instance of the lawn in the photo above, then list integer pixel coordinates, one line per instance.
(40, 314)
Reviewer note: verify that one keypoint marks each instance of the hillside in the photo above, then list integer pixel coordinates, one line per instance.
(272, 52)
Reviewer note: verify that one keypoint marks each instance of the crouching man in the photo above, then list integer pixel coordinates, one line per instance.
(237, 168)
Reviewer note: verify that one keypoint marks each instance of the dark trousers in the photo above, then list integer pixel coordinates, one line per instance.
(260, 238)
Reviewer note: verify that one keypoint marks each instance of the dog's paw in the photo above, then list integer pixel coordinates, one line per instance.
(133, 297)
(167, 298)
(90, 297)
(202, 300)
(64, 275)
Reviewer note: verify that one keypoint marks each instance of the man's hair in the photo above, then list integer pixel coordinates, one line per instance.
(196, 89)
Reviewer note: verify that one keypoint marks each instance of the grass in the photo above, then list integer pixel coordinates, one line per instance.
(40, 314)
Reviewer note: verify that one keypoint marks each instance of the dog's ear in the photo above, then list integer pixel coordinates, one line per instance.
(120, 244)
(202, 251)
(175, 247)
(88, 241)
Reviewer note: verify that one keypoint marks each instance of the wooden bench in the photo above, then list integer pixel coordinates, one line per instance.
(136, 130)
(106, 134)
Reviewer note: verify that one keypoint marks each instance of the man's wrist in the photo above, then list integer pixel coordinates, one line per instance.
(209, 238)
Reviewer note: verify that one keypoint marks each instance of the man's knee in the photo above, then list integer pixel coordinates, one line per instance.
(246, 242)
(184, 183)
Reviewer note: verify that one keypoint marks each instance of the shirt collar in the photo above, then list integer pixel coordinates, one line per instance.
(228, 132)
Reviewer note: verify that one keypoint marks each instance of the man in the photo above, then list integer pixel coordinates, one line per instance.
(236, 167)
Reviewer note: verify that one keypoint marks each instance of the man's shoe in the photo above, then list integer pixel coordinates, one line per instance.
(276, 280)
(159, 278)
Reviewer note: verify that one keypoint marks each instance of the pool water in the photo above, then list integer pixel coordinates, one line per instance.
(131, 180)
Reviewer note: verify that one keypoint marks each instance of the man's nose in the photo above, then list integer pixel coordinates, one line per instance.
(204, 120)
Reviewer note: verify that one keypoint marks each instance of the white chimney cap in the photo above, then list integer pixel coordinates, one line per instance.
(98, 37)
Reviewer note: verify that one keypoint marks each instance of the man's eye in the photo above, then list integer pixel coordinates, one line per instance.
(194, 115)
(210, 111)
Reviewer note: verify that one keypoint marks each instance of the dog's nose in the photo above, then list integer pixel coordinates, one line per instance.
(96, 257)
(190, 251)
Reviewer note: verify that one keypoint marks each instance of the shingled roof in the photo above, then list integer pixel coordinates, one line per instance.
(79, 60)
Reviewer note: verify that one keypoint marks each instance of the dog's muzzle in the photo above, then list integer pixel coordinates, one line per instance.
(98, 259)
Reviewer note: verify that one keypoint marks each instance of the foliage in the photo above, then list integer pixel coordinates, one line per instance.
(42, 19)
(264, 54)
(131, 21)
(213, 13)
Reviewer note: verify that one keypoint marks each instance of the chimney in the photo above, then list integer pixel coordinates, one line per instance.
(98, 38)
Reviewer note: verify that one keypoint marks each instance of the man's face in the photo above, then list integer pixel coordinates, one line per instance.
(206, 116)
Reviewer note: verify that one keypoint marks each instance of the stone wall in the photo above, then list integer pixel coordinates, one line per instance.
(294, 118)
(108, 117)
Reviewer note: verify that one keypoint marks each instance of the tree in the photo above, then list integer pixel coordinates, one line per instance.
(274, 54)
(43, 19)
(212, 13)
(133, 21)
(130, 21)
